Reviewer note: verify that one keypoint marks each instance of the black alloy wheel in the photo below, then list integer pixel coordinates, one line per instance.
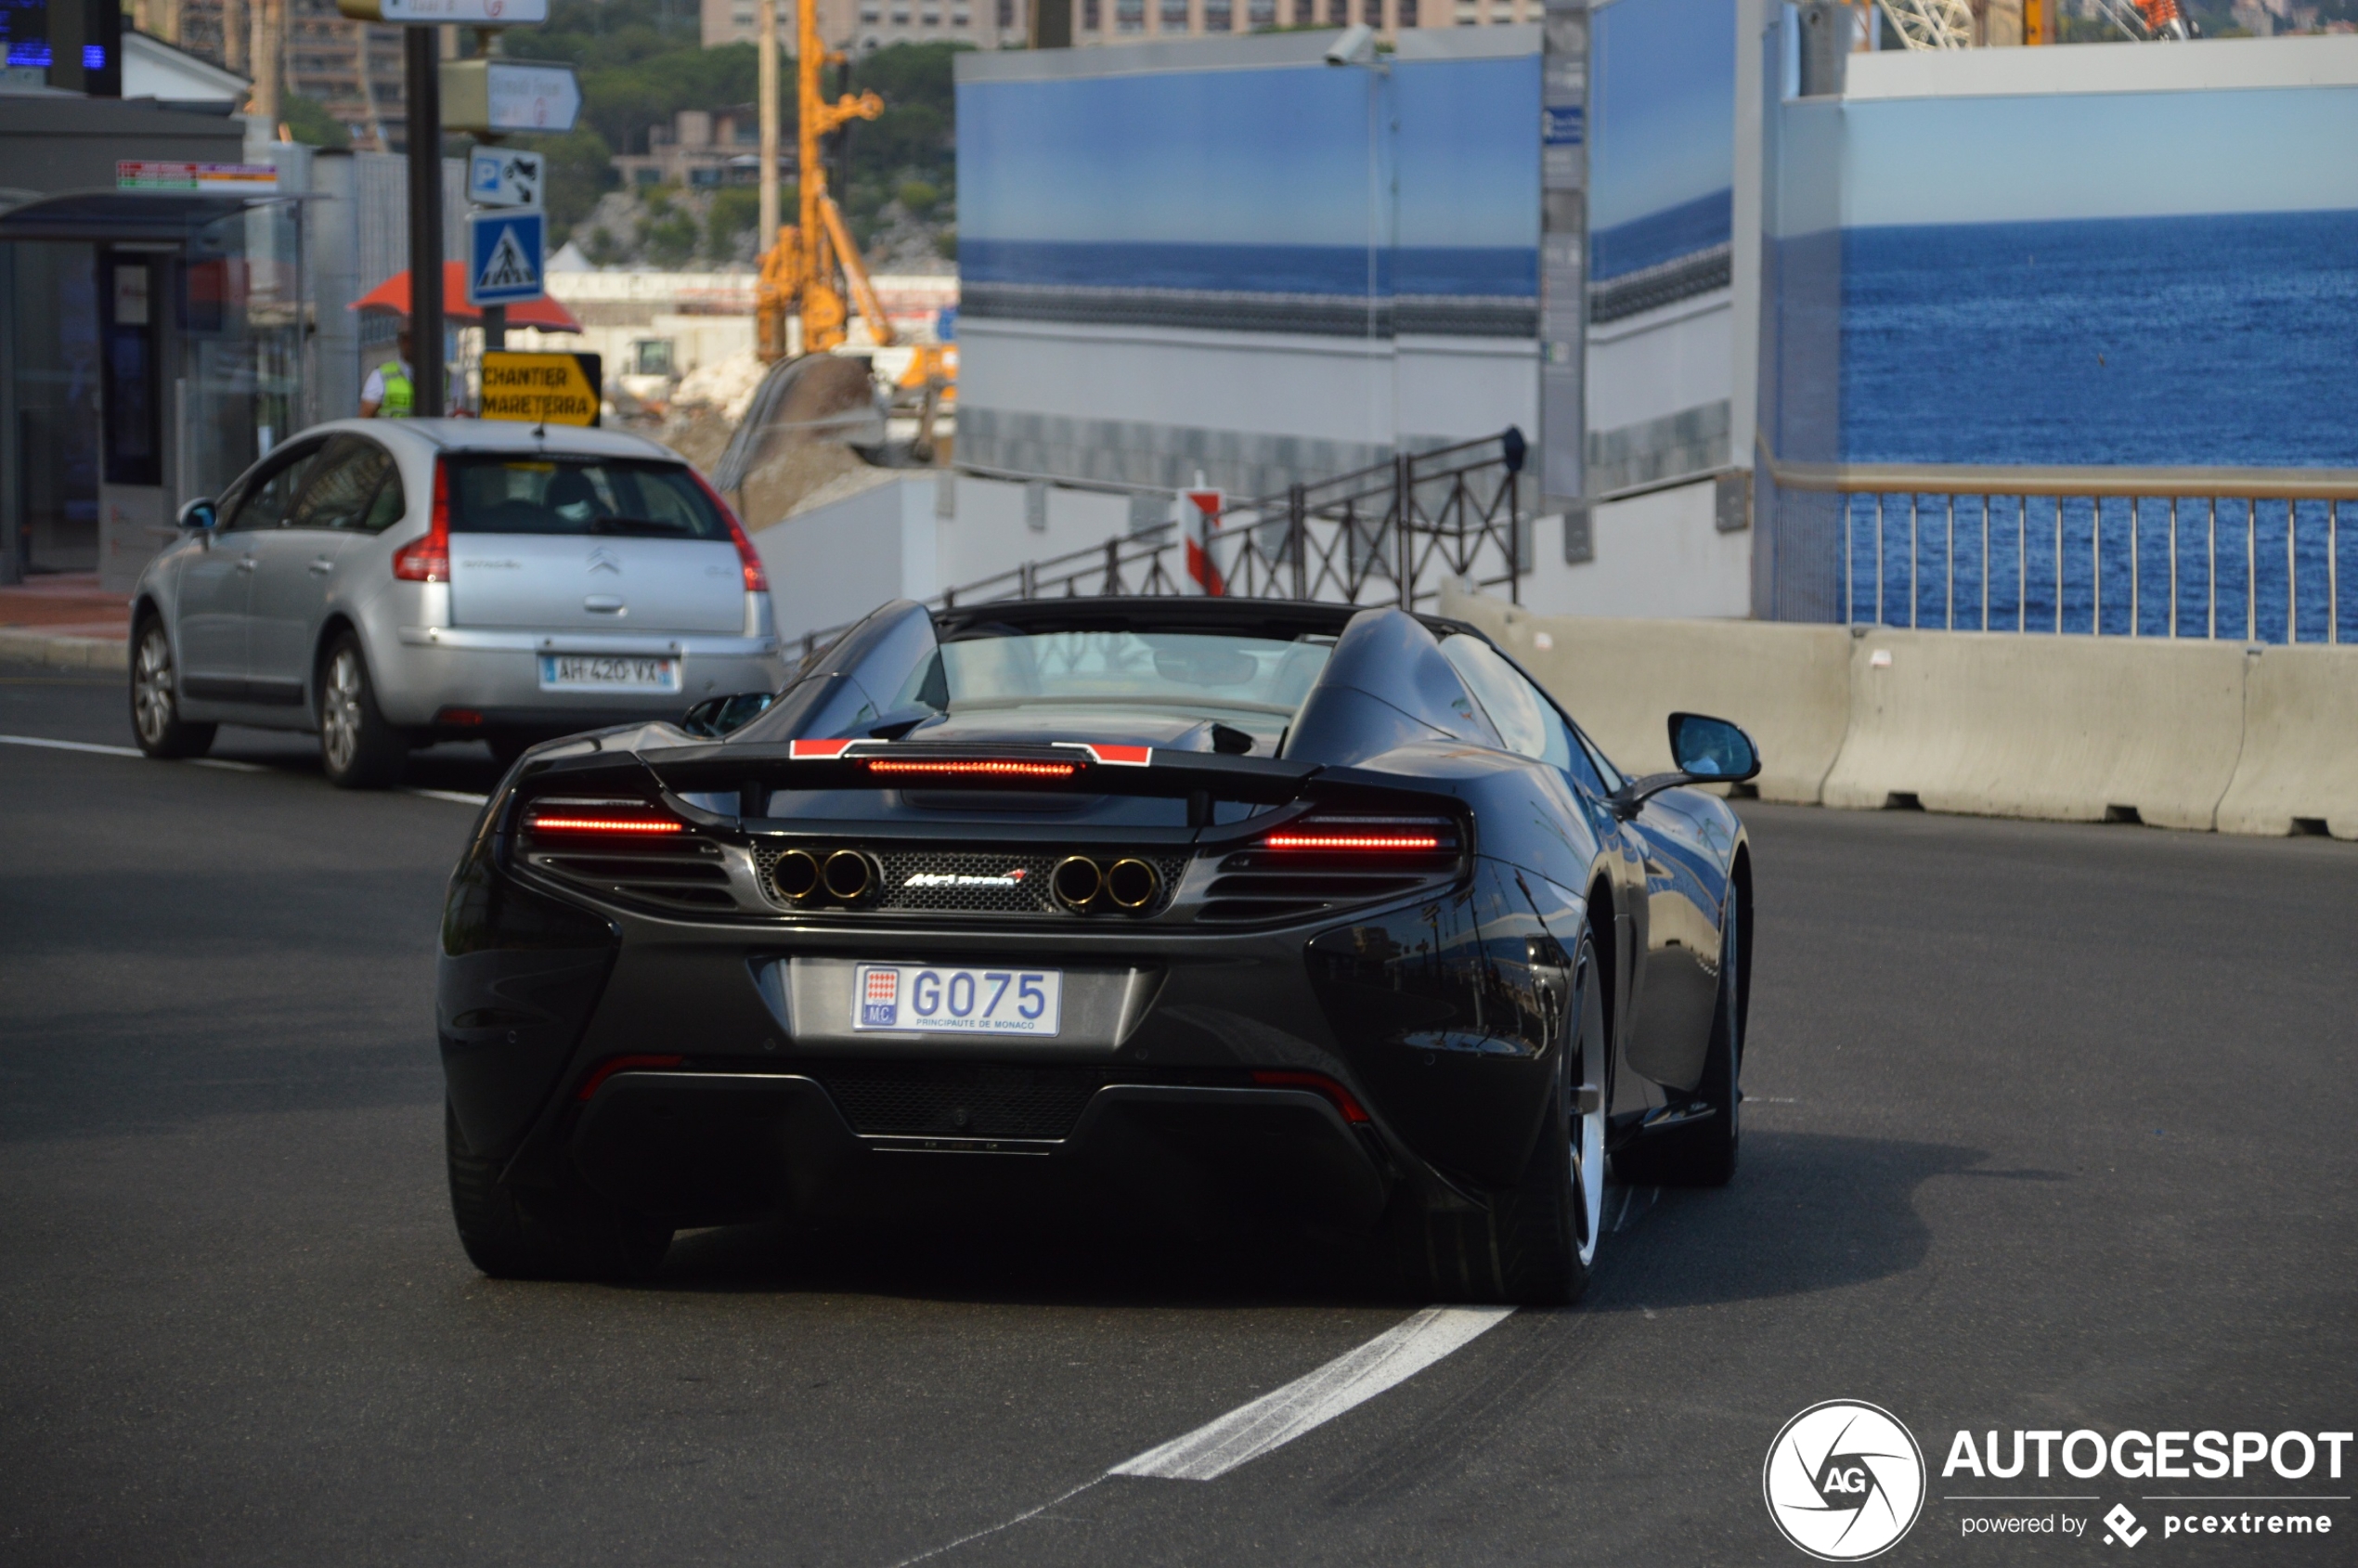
(155, 698)
(511, 1233)
(1536, 1243)
(358, 748)
(1700, 1150)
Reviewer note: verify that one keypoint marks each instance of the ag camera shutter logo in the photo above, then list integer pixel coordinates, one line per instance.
(1843, 1481)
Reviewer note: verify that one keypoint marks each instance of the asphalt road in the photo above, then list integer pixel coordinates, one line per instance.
(2051, 1127)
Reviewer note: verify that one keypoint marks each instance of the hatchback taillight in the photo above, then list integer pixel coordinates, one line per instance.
(427, 560)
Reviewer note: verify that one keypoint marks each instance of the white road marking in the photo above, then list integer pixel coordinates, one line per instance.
(70, 745)
(1350, 1380)
(456, 798)
(453, 797)
(1003, 1524)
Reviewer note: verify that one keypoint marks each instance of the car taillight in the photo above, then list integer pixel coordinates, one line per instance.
(601, 819)
(427, 560)
(1408, 836)
(985, 767)
(1319, 1083)
(748, 558)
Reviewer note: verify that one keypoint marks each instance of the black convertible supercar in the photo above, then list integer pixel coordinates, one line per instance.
(1191, 905)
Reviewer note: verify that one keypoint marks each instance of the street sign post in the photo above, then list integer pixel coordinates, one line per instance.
(467, 13)
(505, 256)
(504, 176)
(542, 388)
(496, 96)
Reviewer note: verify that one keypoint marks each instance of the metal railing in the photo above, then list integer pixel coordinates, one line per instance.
(2240, 553)
(1389, 533)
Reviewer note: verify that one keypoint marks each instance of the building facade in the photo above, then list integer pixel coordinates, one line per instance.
(872, 24)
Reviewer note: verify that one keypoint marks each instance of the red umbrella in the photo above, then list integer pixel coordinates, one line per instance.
(392, 298)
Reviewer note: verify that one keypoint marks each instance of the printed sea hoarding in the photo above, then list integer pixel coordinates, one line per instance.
(1301, 199)
(2162, 277)
(1661, 100)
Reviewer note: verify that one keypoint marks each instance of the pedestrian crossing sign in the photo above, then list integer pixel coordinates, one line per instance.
(504, 253)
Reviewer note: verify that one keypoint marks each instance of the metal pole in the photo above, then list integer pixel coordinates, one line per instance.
(2210, 566)
(1514, 539)
(1850, 566)
(2292, 601)
(1879, 569)
(1985, 563)
(2136, 516)
(2058, 565)
(767, 76)
(1401, 544)
(2173, 565)
(2333, 570)
(1948, 573)
(2097, 565)
(423, 71)
(2251, 568)
(1915, 548)
(2022, 564)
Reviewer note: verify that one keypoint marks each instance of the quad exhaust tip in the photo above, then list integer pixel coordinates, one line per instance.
(844, 876)
(1076, 882)
(1080, 884)
(1133, 884)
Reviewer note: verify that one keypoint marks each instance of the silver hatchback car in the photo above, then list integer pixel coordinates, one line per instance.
(390, 583)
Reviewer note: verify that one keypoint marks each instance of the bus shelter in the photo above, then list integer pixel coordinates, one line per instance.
(151, 347)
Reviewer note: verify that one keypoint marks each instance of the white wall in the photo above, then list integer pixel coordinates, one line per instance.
(1658, 554)
(1660, 362)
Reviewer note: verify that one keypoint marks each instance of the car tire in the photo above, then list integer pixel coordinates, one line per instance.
(514, 1235)
(358, 748)
(155, 697)
(1537, 1242)
(1702, 1152)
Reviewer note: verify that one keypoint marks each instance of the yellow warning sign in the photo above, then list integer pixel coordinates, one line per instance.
(541, 388)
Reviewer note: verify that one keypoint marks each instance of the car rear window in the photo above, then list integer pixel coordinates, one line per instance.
(560, 495)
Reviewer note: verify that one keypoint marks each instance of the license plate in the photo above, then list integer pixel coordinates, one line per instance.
(916, 998)
(627, 672)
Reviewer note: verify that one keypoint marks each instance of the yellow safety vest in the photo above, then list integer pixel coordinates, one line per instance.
(401, 398)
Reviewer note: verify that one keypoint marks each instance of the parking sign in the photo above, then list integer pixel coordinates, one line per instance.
(504, 252)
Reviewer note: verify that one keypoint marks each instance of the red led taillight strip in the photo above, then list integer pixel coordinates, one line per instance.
(994, 768)
(1317, 1082)
(604, 824)
(1412, 843)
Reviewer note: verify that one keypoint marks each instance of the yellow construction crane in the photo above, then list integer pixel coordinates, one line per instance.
(798, 272)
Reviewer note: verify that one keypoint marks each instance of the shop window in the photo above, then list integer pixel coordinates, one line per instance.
(650, 357)
(1217, 17)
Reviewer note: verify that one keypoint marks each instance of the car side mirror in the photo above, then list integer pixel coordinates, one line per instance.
(715, 716)
(199, 514)
(1705, 751)
(1712, 749)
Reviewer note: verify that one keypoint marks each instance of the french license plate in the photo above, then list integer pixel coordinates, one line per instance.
(624, 672)
(926, 999)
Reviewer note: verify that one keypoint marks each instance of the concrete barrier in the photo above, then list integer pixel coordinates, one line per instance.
(2298, 769)
(2071, 729)
(1787, 685)
(55, 651)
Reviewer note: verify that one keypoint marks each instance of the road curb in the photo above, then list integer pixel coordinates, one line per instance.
(51, 651)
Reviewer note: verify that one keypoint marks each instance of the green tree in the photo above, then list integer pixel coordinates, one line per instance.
(580, 171)
(307, 120)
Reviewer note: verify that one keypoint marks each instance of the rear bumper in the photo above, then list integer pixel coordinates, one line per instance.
(716, 1147)
(497, 673)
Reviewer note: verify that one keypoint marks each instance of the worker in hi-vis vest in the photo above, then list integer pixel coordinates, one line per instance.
(391, 391)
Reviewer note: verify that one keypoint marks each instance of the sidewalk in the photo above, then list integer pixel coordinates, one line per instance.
(64, 621)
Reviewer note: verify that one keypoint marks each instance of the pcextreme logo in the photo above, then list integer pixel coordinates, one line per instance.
(1843, 1481)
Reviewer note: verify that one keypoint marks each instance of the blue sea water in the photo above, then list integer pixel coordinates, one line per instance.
(1660, 237)
(1506, 271)
(2207, 341)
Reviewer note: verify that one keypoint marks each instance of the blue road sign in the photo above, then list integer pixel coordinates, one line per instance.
(504, 257)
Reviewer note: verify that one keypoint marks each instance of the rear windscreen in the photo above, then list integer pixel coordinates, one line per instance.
(554, 495)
